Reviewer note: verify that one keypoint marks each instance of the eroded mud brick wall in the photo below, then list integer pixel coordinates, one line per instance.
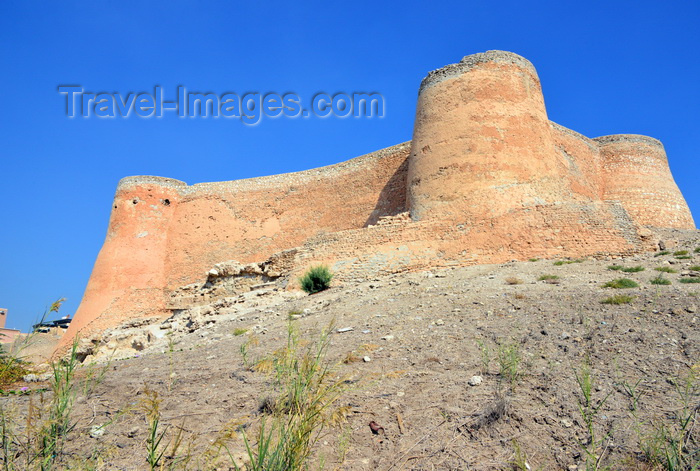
(164, 234)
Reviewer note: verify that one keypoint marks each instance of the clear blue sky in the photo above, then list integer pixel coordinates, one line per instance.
(606, 68)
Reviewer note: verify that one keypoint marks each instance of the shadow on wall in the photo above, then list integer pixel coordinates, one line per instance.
(392, 198)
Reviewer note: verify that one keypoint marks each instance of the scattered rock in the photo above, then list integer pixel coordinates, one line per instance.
(366, 359)
(567, 423)
(388, 337)
(345, 329)
(96, 431)
(475, 380)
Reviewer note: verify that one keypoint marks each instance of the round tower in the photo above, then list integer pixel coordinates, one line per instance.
(482, 143)
(636, 173)
(128, 276)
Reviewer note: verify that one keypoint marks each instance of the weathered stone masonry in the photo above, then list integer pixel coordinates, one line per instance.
(486, 178)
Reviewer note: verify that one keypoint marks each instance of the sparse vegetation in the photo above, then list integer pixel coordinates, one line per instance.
(567, 262)
(697, 250)
(509, 359)
(680, 253)
(239, 331)
(615, 267)
(618, 299)
(666, 269)
(663, 252)
(537, 259)
(548, 278)
(307, 391)
(316, 279)
(689, 280)
(636, 269)
(589, 409)
(621, 283)
(674, 441)
(684, 257)
(660, 280)
(694, 268)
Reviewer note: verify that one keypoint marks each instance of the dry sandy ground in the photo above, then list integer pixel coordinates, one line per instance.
(425, 335)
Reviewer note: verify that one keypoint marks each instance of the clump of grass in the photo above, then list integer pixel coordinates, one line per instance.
(618, 299)
(511, 280)
(537, 259)
(316, 279)
(689, 280)
(485, 354)
(239, 331)
(307, 391)
(509, 359)
(663, 252)
(636, 269)
(548, 278)
(621, 283)
(559, 263)
(666, 269)
(680, 253)
(660, 280)
(684, 257)
(615, 267)
(695, 268)
(697, 250)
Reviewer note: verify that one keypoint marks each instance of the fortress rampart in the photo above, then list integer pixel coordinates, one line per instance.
(487, 178)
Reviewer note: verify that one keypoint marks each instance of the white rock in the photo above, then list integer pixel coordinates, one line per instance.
(475, 380)
(96, 431)
(366, 359)
(388, 337)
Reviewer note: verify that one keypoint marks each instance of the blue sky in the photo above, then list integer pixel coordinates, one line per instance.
(606, 68)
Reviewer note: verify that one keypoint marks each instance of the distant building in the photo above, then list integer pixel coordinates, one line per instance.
(7, 335)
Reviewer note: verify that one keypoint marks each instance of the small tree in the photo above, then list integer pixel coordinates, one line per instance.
(316, 279)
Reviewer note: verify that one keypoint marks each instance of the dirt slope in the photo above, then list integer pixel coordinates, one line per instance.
(425, 336)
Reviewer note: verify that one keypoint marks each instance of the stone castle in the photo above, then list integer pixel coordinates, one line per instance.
(487, 178)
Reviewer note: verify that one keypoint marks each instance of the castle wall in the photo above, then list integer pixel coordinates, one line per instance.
(636, 173)
(164, 234)
(582, 159)
(248, 220)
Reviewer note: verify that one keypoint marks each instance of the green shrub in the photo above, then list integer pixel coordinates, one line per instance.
(316, 279)
(534, 259)
(660, 280)
(548, 277)
(695, 268)
(697, 250)
(615, 267)
(689, 280)
(663, 252)
(684, 257)
(666, 269)
(680, 253)
(618, 299)
(636, 269)
(621, 283)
